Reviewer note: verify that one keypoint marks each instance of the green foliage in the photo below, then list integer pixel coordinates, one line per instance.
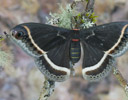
(91, 16)
(1, 38)
(85, 20)
(86, 0)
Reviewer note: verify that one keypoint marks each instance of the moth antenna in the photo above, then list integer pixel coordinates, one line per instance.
(6, 34)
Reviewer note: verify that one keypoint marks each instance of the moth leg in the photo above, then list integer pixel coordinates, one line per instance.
(121, 79)
(47, 89)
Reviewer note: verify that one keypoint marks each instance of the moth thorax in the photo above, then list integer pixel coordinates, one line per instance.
(75, 50)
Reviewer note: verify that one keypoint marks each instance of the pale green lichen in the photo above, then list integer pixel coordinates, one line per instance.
(70, 18)
(62, 19)
(86, 23)
(5, 58)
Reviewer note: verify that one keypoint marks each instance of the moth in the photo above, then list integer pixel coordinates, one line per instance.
(56, 50)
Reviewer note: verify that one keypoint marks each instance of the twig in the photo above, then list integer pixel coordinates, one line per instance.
(74, 3)
(121, 79)
(90, 6)
(47, 89)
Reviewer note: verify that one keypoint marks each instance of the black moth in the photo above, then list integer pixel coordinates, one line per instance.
(56, 50)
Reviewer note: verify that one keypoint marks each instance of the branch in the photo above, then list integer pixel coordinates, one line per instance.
(47, 89)
(90, 5)
(121, 79)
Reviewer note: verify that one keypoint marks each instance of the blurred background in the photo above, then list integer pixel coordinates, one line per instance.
(19, 77)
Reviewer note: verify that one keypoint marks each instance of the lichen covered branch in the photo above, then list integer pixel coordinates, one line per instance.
(47, 89)
(121, 79)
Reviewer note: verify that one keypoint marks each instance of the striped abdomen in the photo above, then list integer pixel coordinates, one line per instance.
(75, 51)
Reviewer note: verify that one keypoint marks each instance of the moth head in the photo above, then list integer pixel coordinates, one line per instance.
(18, 32)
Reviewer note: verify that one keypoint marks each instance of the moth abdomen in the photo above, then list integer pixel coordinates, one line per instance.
(75, 51)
